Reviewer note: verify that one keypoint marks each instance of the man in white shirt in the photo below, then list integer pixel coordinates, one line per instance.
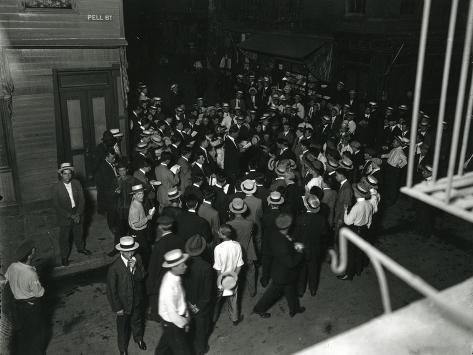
(228, 257)
(173, 307)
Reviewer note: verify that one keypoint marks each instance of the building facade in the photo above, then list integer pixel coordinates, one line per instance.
(64, 81)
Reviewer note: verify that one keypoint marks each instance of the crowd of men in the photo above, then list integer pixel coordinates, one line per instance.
(215, 200)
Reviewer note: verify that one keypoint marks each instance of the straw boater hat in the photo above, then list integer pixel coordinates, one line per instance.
(136, 188)
(332, 164)
(271, 163)
(346, 163)
(428, 168)
(359, 190)
(116, 132)
(65, 166)
(275, 198)
(227, 281)
(372, 180)
(195, 245)
(280, 169)
(173, 194)
(174, 257)
(238, 206)
(312, 203)
(248, 186)
(140, 147)
(127, 244)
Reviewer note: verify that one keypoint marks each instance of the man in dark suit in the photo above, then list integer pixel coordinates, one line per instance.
(125, 293)
(167, 240)
(190, 223)
(311, 230)
(221, 198)
(344, 199)
(210, 214)
(285, 269)
(68, 200)
(232, 156)
(106, 181)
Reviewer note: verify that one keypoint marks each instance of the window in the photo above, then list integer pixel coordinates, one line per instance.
(410, 7)
(355, 7)
(48, 4)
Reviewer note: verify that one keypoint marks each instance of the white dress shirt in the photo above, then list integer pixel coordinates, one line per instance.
(360, 214)
(228, 256)
(69, 192)
(172, 300)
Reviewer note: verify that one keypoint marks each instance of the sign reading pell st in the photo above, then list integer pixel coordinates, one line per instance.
(96, 17)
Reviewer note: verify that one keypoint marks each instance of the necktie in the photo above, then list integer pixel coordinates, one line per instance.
(129, 266)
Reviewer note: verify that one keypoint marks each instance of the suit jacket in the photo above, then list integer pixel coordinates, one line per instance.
(329, 199)
(62, 202)
(210, 214)
(221, 202)
(143, 179)
(124, 289)
(344, 197)
(199, 284)
(190, 223)
(106, 182)
(268, 226)
(255, 213)
(244, 230)
(231, 165)
(292, 199)
(196, 191)
(156, 271)
(311, 229)
(185, 176)
(285, 266)
(168, 180)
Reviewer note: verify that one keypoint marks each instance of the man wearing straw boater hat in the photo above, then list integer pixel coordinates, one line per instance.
(68, 200)
(311, 229)
(275, 201)
(139, 220)
(173, 306)
(255, 208)
(199, 287)
(396, 161)
(359, 220)
(244, 231)
(284, 274)
(125, 293)
(228, 260)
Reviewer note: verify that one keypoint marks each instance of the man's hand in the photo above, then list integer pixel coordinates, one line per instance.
(121, 312)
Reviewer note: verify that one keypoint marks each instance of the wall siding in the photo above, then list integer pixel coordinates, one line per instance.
(34, 129)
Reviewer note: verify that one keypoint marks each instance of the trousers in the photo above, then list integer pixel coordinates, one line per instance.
(28, 337)
(130, 323)
(232, 306)
(65, 238)
(200, 328)
(174, 341)
(274, 292)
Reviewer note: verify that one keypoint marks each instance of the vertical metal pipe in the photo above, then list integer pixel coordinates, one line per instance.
(383, 284)
(417, 91)
(460, 101)
(443, 95)
(466, 129)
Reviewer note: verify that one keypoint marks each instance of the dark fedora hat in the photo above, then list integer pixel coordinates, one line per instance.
(195, 245)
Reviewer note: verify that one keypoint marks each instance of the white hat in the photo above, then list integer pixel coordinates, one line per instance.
(116, 132)
(174, 257)
(137, 188)
(127, 244)
(65, 166)
(227, 281)
(275, 198)
(248, 186)
(312, 203)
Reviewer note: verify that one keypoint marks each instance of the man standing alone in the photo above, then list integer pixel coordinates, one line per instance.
(68, 200)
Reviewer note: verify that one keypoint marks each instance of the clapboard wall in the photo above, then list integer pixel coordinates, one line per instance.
(33, 118)
(28, 25)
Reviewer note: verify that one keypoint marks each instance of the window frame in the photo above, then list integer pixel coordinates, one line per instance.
(50, 10)
(349, 13)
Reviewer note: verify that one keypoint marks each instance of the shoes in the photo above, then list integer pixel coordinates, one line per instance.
(236, 322)
(263, 315)
(343, 277)
(300, 310)
(113, 253)
(263, 283)
(84, 251)
(65, 261)
(313, 292)
(123, 352)
(141, 344)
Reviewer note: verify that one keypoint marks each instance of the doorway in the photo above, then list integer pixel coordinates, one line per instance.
(86, 106)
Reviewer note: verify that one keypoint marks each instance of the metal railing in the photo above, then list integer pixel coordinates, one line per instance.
(460, 316)
(452, 193)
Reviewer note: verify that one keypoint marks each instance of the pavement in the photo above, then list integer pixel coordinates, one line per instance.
(81, 321)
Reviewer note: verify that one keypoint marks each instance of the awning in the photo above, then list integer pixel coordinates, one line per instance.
(293, 47)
